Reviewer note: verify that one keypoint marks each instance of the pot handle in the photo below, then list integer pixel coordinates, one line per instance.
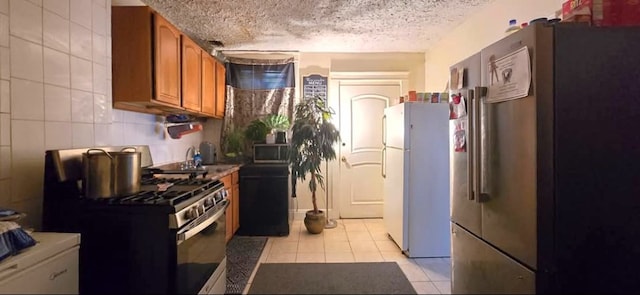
(99, 150)
(127, 148)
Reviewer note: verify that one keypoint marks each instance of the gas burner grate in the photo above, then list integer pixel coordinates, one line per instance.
(153, 197)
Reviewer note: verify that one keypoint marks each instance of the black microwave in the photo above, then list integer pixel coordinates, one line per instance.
(270, 153)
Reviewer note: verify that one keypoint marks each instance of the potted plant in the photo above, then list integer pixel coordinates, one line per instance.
(256, 131)
(233, 145)
(275, 124)
(312, 140)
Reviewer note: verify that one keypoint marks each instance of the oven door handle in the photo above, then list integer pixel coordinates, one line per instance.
(204, 224)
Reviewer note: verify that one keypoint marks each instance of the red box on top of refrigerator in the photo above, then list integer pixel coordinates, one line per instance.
(602, 12)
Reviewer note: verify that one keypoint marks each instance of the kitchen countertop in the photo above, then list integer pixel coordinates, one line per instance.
(215, 171)
(217, 174)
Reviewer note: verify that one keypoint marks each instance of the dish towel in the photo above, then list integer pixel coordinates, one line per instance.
(13, 239)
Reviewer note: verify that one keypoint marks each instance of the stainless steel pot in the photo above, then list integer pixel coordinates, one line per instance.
(110, 174)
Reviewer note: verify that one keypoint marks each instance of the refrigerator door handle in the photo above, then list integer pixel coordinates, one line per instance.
(384, 130)
(471, 149)
(383, 167)
(481, 196)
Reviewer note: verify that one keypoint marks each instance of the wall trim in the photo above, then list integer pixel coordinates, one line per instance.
(298, 214)
(369, 75)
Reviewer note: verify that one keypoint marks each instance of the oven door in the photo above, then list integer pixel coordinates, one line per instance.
(201, 250)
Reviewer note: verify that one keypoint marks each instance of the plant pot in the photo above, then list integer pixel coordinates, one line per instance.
(281, 137)
(315, 222)
(271, 138)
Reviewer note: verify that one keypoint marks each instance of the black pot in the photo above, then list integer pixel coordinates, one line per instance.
(281, 137)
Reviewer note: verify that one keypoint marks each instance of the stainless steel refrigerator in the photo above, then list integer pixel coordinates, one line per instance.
(545, 184)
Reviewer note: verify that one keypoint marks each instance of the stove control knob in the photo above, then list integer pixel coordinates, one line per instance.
(200, 209)
(191, 213)
(208, 202)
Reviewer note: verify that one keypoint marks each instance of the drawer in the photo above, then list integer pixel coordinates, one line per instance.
(56, 275)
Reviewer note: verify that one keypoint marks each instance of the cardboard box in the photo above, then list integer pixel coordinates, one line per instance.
(602, 12)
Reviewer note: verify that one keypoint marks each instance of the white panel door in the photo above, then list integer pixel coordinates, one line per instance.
(362, 104)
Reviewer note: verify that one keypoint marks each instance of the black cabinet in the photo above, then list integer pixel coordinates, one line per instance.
(264, 205)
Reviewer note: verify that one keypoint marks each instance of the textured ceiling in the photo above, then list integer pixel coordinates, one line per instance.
(317, 25)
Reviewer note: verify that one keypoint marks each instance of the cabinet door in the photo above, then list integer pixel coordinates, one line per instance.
(236, 207)
(208, 84)
(167, 61)
(229, 219)
(220, 89)
(191, 79)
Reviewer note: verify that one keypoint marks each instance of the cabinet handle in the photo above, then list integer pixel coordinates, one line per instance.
(56, 274)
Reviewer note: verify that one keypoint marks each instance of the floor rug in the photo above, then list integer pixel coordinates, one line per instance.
(330, 278)
(243, 254)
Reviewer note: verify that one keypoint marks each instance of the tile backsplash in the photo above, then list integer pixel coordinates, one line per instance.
(55, 93)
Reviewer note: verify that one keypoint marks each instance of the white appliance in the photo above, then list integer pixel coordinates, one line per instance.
(415, 169)
(49, 267)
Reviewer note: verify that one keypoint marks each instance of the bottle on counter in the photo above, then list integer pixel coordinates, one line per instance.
(197, 158)
(513, 27)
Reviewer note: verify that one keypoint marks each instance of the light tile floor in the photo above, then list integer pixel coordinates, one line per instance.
(356, 240)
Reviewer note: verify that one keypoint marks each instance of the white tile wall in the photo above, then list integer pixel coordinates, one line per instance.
(81, 44)
(57, 135)
(81, 74)
(26, 157)
(5, 96)
(5, 129)
(102, 134)
(5, 63)
(81, 106)
(101, 3)
(101, 109)
(100, 49)
(26, 60)
(5, 191)
(83, 135)
(27, 99)
(55, 93)
(57, 103)
(4, 6)
(81, 12)
(36, 2)
(59, 7)
(99, 16)
(56, 68)
(99, 78)
(55, 31)
(26, 20)
(4, 30)
(5, 161)
(117, 133)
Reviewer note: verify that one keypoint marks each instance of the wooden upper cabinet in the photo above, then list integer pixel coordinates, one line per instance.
(220, 89)
(208, 84)
(167, 61)
(146, 60)
(191, 76)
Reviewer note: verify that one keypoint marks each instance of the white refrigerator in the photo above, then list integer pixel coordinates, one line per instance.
(415, 169)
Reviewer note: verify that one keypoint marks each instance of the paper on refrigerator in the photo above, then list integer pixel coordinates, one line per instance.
(509, 76)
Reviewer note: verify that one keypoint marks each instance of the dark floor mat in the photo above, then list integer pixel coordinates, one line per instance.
(243, 254)
(330, 278)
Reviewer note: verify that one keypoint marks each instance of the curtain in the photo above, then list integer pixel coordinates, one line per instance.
(256, 88)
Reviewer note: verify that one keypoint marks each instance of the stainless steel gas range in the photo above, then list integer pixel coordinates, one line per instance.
(167, 238)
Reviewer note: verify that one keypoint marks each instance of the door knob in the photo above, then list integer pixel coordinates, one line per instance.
(344, 159)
